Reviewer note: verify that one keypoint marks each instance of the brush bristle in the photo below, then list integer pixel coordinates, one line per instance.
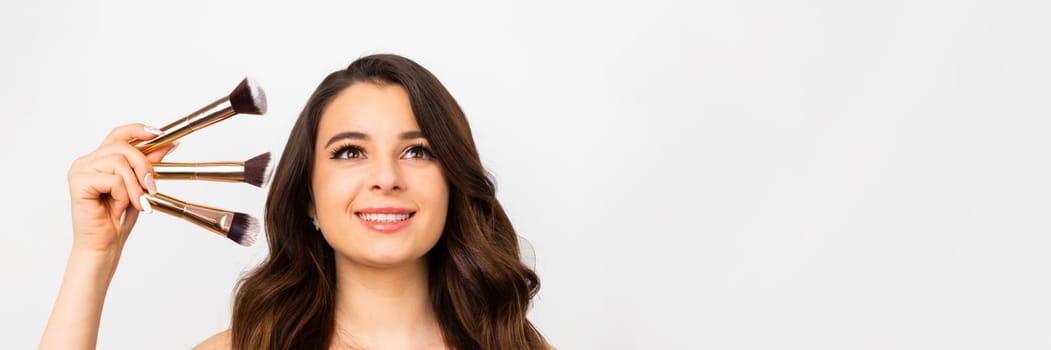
(248, 98)
(257, 170)
(243, 230)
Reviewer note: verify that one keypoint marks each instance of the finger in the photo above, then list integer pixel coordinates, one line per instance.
(139, 163)
(159, 155)
(79, 165)
(134, 131)
(117, 164)
(93, 186)
(119, 201)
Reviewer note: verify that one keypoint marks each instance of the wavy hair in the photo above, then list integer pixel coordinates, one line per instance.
(479, 288)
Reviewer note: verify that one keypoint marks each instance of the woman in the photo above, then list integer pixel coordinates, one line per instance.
(383, 226)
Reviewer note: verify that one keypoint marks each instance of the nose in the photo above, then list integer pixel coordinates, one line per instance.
(386, 176)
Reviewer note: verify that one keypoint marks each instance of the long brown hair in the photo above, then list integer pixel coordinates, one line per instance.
(479, 288)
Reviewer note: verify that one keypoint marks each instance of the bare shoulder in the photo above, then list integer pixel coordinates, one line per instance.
(220, 341)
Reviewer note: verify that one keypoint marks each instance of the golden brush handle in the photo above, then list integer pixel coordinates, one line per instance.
(213, 171)
(213, 113)
(212, 219)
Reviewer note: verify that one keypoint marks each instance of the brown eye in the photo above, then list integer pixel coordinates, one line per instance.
(348, 152)
(418, 152)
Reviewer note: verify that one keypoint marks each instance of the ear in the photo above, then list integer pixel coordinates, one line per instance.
(312, 213)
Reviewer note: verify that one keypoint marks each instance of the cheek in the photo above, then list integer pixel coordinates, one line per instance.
(335, 190)
(433, 190)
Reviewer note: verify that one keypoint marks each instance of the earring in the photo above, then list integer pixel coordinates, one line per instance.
(316, 225)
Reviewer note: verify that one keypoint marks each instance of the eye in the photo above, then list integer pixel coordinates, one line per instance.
(348, 152)
(418, 152)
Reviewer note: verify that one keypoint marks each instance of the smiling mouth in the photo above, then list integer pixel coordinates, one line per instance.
(384, 218)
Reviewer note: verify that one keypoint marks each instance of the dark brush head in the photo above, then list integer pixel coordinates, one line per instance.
(257, 170)
(244, 229)
(248, 98)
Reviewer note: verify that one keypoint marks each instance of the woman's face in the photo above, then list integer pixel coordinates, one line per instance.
(379, 195)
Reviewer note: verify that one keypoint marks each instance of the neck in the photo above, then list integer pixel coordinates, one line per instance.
(384, 307)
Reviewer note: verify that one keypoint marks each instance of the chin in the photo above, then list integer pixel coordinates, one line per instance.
(378, 257)
(387, 251)
(386, 261)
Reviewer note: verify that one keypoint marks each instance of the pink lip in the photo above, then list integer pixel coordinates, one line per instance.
(385, 227)
(384, 210)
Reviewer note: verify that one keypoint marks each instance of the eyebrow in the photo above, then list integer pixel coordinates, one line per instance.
(354, 135)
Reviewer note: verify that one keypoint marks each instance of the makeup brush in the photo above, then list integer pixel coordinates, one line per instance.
(238, 227)
(254, 171)
(247, 98)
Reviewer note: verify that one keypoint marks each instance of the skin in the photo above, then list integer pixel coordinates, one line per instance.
(389, 170)
(104, 185)
(381, 277)
(382, 289)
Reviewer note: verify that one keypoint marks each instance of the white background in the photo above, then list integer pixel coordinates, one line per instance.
(692, 175)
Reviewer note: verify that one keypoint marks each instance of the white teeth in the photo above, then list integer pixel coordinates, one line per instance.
(383, 217)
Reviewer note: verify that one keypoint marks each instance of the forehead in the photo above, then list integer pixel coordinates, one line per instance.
(369, 108)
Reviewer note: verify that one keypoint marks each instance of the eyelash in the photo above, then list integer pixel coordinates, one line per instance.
(338, 153)
(426, 152)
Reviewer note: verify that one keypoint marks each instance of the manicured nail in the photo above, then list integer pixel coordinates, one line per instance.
(145, 202)
(175, 144)
(152, 130)
(150, 184)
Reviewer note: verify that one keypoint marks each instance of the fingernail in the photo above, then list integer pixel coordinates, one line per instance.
(150, 184)
(152, 130)
(175, 145)
(145, 202)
